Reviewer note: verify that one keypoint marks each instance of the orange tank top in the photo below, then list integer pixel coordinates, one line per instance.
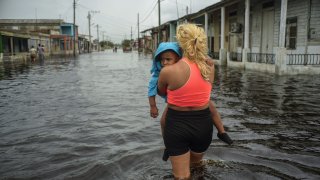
(194, 93)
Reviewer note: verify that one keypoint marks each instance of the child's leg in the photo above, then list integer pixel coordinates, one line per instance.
(222, 135)
(165, 155)
(216, 118)
(163, 119)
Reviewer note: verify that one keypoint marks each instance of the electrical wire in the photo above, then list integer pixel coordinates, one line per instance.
(148, 16)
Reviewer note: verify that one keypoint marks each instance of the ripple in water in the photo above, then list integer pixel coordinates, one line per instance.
(88, 118)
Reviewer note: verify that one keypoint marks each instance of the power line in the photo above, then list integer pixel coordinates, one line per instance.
(155, 5)
(106, 15)
(111, 23)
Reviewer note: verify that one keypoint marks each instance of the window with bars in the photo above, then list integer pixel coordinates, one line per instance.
(291, 33)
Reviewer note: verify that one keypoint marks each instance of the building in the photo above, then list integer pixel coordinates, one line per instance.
(275, 36)
(13, 44)
(56, 36)
(83, 44)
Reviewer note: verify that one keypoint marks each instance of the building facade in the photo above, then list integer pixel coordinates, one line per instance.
(18, 35)
(275, 36)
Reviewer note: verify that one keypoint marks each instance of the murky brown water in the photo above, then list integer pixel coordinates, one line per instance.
(89, 119)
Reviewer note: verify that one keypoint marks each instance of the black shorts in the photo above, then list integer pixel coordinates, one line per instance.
(187, 130)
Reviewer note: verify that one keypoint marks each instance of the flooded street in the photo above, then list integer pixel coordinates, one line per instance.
(88, 118)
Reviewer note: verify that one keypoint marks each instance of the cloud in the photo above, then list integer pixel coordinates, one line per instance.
(115, 18)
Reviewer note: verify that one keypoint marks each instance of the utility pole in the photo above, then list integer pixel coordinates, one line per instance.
(98, 37)
(177, 8)
(138, 35)
(35, 26)
(102, 32)
(74, 28)
(159, 33)
(131, 37)
(104, 43)
(89, 19)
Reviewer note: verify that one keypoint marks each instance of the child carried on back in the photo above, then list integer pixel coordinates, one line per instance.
(169, 53)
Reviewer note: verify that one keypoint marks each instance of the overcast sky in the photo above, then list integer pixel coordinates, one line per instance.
(115, 17)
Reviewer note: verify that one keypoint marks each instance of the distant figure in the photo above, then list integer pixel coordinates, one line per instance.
(33, 53)
(40, 52)
(116, 49)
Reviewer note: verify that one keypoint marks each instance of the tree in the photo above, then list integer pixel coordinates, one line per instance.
(126, 43)
(106, 44)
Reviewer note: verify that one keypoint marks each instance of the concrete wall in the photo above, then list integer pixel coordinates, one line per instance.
(295, 69)
(235, 64)
(268, 68)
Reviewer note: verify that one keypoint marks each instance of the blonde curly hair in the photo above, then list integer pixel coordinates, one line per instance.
(193, 41)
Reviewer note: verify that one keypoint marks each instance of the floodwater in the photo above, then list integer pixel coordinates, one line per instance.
(88, 118)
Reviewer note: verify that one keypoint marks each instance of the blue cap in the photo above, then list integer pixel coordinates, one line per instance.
(165, 46)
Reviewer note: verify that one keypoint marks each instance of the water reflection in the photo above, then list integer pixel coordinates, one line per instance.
(87, 118)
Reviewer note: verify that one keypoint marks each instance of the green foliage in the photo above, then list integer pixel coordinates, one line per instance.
(126, 43)
(106, 44)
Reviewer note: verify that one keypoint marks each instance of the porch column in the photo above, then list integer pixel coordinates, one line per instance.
(283, 20)
(246, 25)
(65, 45)
(281, 54)
(223, 53)
(222, 27)
(172, 32)
(246, 32)
(206, 27)
(1, 49)
(11, 46)
(206, 23)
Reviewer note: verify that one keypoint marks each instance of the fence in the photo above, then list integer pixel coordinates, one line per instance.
(261, 58)
(214, 55)
(303, 59)
(234, 56)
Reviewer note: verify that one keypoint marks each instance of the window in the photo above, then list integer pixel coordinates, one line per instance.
(268, 5)
(291, 33)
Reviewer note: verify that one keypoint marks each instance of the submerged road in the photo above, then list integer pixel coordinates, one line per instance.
(88, 118)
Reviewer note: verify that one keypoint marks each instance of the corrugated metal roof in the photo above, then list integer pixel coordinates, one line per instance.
(31, 21)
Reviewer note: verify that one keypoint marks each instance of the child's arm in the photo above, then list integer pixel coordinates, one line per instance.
(153, 107)
(216, 119)
(162, 84)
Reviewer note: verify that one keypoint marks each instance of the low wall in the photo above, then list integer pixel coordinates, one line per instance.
(269, 68)
(216, 62)
(18, 56)
(236, 64)
(26, 56)
(300, 69)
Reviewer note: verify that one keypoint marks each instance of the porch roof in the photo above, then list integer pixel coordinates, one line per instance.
(59, 36)
(13, 33)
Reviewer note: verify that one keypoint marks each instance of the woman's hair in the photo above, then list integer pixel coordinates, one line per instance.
(193, 41)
